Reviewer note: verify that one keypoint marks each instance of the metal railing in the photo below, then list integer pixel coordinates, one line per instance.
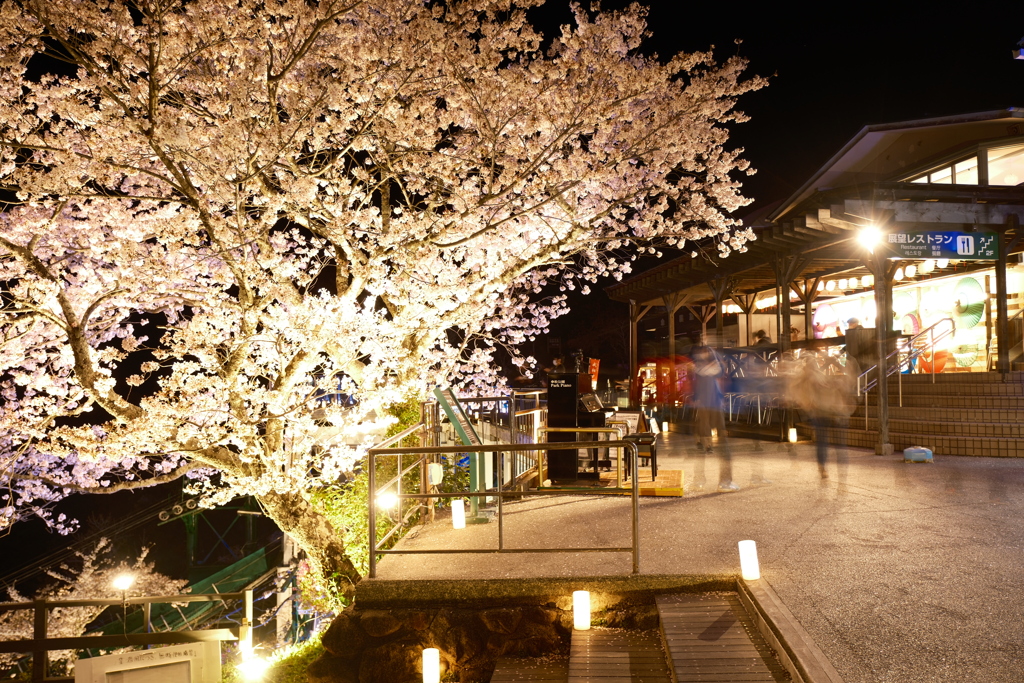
(500, 494)
(40, 644)
(907, 351)
(1015, 342)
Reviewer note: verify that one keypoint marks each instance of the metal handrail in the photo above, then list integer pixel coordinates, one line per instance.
(896, 368)
(500, 494)
(40, 644)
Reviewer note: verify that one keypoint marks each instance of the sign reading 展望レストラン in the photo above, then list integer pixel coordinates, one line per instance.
(964, 246)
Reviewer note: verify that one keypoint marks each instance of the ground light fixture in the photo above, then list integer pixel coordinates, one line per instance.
(253, 668)
(869, 237)
(431, 665)
(748, 561)
(581, 610)
(458, 514)
(792, 435)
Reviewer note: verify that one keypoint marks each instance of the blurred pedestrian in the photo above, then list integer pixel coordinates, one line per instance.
(707, 395)
(761, 337)
(826, 401)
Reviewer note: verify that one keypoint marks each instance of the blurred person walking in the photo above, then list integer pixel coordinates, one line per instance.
(827, 401)
(709, 400)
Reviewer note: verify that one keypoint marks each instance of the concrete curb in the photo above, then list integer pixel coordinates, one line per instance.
(382, 593)
(804, 661)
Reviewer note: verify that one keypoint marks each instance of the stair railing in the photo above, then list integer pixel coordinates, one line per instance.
(1015, 345)
(907, 351)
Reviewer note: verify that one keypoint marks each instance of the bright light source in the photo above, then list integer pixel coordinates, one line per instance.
(458, 514)
(581, 610)
(387, 500)
(253, 668)
(830, 285)
(431, 665)
(792, 435)
(821, 285)
(868, 280)
(899, 274)
(664, 427)
(869, 237)
(942, 263)
(123, 582)
(928, 266)
(854, 283)
(911, 270)
(748, 561)
(843, 283)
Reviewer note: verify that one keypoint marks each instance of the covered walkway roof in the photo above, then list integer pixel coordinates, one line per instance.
(812, 234)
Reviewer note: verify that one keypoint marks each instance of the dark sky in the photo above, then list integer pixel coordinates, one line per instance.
(834, 67)
(837, 66)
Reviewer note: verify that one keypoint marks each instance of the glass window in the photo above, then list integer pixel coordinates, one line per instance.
(966, 172)
(922, 179)
(943, 176)
(1006, 165)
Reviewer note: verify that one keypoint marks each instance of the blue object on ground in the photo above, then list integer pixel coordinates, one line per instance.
(917, 454)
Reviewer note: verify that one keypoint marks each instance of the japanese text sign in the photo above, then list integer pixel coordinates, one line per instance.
(964, 246)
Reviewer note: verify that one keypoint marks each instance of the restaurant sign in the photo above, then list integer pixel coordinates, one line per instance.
(964, 246)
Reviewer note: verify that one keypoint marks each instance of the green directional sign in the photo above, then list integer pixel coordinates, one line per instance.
(935, 244)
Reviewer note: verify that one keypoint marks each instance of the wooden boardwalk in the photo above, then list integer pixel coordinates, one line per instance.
(530, 670)
(711, 639)
(616, 656)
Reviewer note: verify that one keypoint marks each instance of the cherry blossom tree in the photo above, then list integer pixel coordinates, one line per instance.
(219, 213)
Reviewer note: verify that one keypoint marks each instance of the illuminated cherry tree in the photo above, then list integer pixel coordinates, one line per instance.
(220, 213)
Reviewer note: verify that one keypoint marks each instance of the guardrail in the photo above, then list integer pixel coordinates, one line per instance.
(40, 644)
(500, 494)
(906, 353)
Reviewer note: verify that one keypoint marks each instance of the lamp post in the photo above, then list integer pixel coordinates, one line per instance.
(123, 582)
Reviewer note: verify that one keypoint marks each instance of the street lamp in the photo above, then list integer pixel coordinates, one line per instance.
(869, 237)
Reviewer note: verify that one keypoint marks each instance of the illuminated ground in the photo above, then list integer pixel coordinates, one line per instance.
(900, 572)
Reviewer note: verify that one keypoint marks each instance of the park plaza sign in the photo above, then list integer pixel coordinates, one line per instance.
(930, 244)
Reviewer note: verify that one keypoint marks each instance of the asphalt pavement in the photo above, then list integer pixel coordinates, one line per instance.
(909, 573)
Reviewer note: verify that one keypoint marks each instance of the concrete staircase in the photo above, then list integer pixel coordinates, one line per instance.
(979, 413)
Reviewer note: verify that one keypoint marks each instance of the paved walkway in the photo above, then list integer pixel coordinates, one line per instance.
(906, 573)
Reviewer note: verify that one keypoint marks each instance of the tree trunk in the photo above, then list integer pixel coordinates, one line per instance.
(315, 534)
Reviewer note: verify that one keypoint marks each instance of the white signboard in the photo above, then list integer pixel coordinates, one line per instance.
(191, 663)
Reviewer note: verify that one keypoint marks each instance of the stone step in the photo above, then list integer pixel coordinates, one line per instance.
(710, 637)
(966, 428)
(613, 656)
(985, 446)
(966, 389)
(951, 401)
(960, 415)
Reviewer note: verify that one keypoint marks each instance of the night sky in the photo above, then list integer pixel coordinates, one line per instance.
(834, 68)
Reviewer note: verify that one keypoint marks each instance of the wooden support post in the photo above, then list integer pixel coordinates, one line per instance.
(883, 305)
(1006, 244)
(636, 313)
(808, 292)
(746, 304)
(786, 269)
(721, 288)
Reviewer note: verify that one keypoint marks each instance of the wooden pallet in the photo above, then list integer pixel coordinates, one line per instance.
(710, 639)
(616, 656)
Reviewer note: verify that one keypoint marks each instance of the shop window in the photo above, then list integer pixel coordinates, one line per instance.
(966, 172)
(1006, 165)
(943, 176)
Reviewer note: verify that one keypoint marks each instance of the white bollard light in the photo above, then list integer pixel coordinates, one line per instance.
(664, 427)
(748, 561)
(792, 435)
(458, 514)
(431, 665)
(581, 610)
